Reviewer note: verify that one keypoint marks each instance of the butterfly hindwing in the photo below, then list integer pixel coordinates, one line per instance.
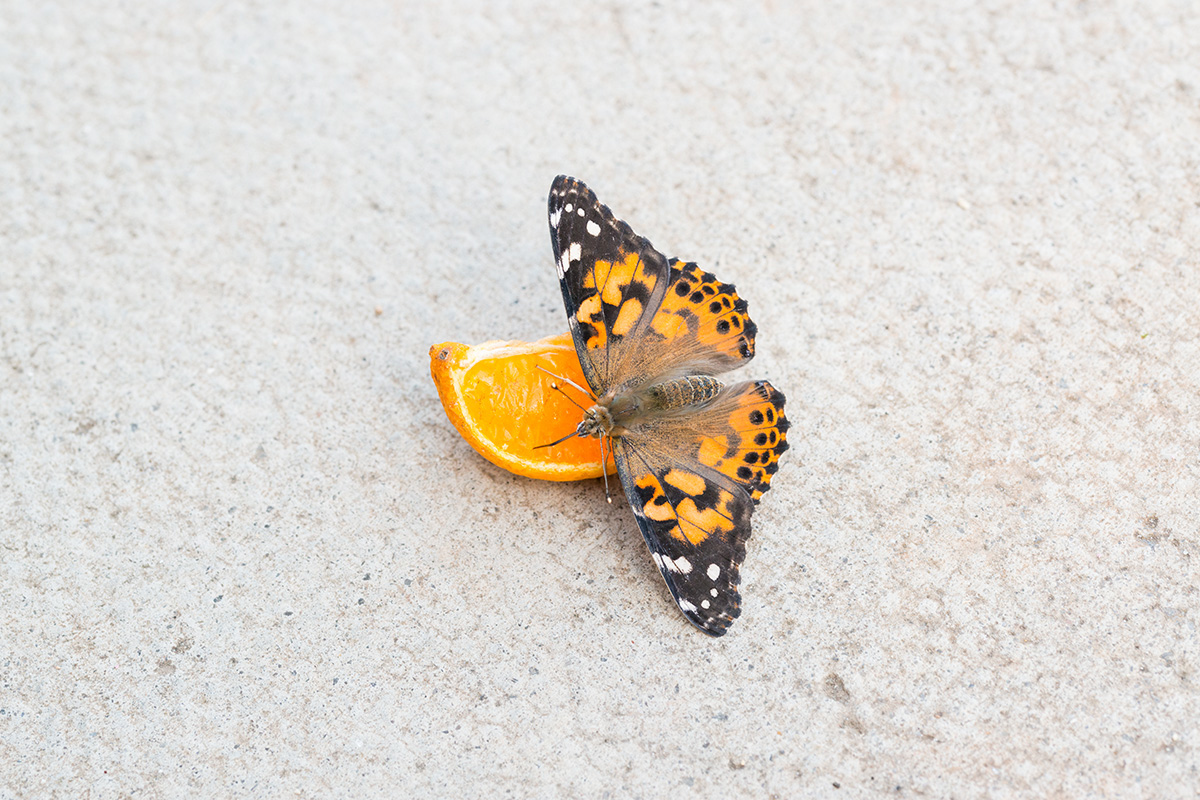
(745, 434)
(693, 481)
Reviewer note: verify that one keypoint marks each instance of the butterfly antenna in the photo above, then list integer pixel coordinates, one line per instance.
(556, 441)
(567, 381)
(570, 399)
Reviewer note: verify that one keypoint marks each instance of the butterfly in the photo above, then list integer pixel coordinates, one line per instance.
(694, 455)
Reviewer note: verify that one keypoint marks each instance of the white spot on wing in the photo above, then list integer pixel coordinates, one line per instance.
(713, 592)
(564, 263)
(555, 217)
(568, 208)
(704, 604)
(574, 250)
(683, 565)
(713, 572)
(686, 606)
(593, 228)
(579, 212)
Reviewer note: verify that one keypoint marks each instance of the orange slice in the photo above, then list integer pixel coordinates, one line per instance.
(504, 406)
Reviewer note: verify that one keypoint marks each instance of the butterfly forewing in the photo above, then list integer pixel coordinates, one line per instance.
(634, 315)
(693, 480)
(612, 280)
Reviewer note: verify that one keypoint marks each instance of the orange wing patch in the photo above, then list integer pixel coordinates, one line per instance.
(686, 506)
(615, 301)
(748, 450)
(699, 305)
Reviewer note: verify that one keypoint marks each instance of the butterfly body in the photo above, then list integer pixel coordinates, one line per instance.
(694, 455)
(609, 416)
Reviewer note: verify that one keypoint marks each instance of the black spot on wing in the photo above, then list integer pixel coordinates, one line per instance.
(765, 463)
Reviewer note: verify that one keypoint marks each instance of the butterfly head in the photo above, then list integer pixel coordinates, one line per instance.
(597, 422)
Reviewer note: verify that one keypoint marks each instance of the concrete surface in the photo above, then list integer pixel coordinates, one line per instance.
(245, 554)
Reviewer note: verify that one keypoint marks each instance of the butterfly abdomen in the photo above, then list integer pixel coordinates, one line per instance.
(682, 392)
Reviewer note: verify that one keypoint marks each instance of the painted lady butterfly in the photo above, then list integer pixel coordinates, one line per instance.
(694, 456)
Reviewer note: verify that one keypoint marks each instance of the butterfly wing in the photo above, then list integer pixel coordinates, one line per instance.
(693, 480)
(634, 315)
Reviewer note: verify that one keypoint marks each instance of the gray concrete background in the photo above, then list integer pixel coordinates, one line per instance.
(243, 552)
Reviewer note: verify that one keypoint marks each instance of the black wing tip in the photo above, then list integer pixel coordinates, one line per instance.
(772, 395)
(715, 621)
(565, 184)
(564, 188)
(715, 626)
(715, 633)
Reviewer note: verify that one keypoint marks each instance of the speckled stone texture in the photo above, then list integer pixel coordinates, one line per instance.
(243, 553)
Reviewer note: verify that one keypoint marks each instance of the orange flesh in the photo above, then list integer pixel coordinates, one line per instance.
(504, 406)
